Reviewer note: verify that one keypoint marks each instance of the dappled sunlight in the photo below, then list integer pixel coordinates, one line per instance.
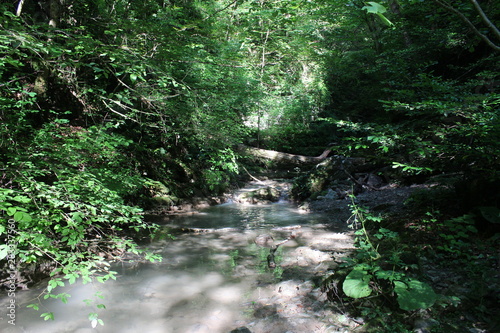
(215, 280)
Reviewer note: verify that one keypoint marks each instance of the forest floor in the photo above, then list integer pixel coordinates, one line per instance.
(471, 276)
(390, 199)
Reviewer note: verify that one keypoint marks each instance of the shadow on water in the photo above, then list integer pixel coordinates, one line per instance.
(213, 281)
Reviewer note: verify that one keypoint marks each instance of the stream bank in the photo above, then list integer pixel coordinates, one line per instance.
(213, 281)
(457, 256)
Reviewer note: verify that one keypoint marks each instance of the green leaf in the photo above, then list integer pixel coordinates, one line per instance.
(387, 275)
(71, 277)
(22, 217)
(385, 20)
(34, 306)
(414, 295)
(21, 199)
(11, 210)
(379, 10)
(356, 284)
(374, 8)
(63, 297)
(47, 315)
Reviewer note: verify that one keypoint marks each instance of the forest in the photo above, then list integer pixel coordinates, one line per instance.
(110, 109)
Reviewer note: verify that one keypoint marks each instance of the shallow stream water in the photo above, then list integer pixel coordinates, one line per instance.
(213, 281)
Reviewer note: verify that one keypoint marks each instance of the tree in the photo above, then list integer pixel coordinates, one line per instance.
(492, 41)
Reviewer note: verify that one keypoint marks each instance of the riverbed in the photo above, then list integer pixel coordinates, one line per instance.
(215, 280)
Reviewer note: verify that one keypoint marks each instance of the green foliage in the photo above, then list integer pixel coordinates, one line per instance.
(456, 233)
(67, 201)
(369, 273)
(379, 10)
(124, 96)
(221, 168)
(414, 295)
(357, 283)
(76, 223)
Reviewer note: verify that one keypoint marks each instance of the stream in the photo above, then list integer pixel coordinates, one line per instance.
(214, 281)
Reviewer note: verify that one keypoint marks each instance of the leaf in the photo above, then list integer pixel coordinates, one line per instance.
(71, 277)
(21, 199)
(356, 284)
(387, 275)
(4, 251)
(491, 214)
(374, 8)
(22, 217)
(47, 315)
(11, 210)
(77, 216)
(414, 295)
(33, 306)
(63, 297)
(385, 19)
(379, 10)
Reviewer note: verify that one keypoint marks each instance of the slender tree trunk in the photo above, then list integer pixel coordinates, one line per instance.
(19, 7)
(55, 12)
(41, 81)
(375, 31)
(395, 8)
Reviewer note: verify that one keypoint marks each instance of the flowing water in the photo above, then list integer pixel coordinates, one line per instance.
(212, 281)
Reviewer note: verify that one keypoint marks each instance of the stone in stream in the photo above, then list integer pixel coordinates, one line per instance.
(264, 240)
(241, 330)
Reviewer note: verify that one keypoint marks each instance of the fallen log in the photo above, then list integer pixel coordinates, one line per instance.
(280, 157)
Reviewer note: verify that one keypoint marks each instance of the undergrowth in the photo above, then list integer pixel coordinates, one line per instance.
(393, 282)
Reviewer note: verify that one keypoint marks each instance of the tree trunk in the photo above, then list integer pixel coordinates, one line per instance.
(284, 158)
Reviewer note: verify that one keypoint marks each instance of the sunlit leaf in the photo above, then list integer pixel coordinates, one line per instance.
(22, 217)
(356, 284)
(4, 251)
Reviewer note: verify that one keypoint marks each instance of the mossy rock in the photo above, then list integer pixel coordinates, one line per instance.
(168, 200)
(262, 195)
(157, 189)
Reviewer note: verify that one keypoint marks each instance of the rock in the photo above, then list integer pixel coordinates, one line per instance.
(261, 196)
(330, 195)
(241, 330)
(264, 311)
(374, 180)
(424, 325)
(264, 240)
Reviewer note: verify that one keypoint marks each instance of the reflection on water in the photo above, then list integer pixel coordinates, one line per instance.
(208, 282)
(245, 217)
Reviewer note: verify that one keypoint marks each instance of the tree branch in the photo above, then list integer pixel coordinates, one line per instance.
(485, 18)
(220, 10)
(19, 8)
(485, 38)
